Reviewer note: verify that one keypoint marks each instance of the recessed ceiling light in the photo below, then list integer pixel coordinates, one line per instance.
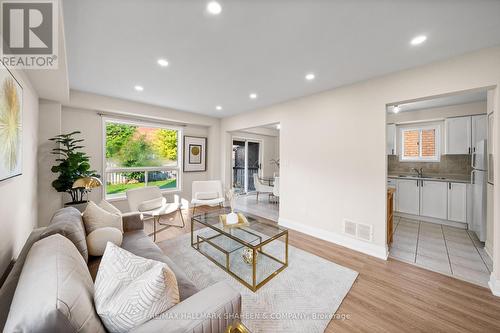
(139, 88)
(418, 40)
(218, 108)
(310, 76)
(278, 126)
(214, 8)
(396, 108)
(163, 62)
(253, 95)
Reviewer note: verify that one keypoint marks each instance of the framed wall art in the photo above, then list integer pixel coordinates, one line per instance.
(195, 154)
(11, 138)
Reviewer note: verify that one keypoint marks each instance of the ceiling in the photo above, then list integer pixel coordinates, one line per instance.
(261, 46)
(456, 99)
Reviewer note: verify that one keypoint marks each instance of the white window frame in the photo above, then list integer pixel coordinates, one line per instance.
(177, 167)
(420, 128)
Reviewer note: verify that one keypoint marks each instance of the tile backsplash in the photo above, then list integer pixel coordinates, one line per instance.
(449, 165)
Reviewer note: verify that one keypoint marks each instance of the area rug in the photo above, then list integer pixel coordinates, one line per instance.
(302, 298)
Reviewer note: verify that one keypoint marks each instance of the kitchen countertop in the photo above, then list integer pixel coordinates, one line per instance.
(432, 177)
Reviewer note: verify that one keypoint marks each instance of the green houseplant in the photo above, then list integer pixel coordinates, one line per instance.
(73, 164)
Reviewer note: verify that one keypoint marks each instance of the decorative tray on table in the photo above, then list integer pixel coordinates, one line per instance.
(242, 221)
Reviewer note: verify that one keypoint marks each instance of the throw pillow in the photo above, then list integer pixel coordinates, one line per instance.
(131, 290)
(95, 217)
(97, 240)
(151, 204)
(109, 207)
(54, 292)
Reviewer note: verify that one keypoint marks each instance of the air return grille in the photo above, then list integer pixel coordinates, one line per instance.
(358, 230)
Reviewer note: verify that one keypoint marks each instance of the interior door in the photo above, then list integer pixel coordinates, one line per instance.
(245, 163)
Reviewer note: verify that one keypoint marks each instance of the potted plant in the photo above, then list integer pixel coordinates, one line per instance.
(73, 165)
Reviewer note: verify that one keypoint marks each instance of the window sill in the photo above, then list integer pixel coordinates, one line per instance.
(124, 197)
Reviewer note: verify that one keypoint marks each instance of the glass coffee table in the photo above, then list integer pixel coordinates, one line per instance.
(253, 253)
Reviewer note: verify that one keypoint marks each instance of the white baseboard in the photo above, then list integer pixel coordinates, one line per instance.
(432, 220)
(371, 249)
(494, 285)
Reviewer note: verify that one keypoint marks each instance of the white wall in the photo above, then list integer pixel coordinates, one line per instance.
(18, 195)
(332, 145)
(440, 113)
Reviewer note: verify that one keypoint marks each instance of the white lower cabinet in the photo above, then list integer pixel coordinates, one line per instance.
(457, 202)
(433, 199)
(408, 191)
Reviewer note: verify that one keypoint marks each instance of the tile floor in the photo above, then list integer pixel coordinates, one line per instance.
(448, 250)
(264, 208)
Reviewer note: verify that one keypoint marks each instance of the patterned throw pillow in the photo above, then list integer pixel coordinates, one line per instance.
(131, 290)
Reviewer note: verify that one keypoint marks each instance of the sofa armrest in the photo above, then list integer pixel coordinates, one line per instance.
(211, 310)
(132, 221)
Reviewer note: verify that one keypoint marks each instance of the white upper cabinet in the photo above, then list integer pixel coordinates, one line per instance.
(458, 135)
(457, 202)
(433, 199)
(391, 139)
(408, 191)
(479, 129)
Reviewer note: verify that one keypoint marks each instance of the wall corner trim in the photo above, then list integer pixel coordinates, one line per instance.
(494, 285)
(371, 249)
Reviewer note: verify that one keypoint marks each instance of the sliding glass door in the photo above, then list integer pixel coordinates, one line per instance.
(245, 163)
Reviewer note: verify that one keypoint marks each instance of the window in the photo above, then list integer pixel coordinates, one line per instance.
(138, 155)
(420, 143)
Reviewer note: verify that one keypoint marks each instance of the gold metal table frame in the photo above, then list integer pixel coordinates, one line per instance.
(255, 248)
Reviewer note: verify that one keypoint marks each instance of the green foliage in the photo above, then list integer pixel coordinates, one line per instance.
(165, 143)
(73, 164)
(117, 135)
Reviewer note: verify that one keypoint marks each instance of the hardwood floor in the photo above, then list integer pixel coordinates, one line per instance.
(392, 296)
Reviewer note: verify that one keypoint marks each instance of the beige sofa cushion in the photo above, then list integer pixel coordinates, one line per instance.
(97, 240)
(95, 217)
(131, 290)
(54, 292)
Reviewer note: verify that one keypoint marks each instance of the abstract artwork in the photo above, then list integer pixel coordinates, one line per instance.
(11, 107)
(195, 154)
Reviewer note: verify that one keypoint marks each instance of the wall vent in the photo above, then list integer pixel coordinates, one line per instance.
(358, 230)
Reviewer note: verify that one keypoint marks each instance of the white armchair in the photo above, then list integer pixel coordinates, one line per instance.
(260, 187)
(152, 204)
(208, 192)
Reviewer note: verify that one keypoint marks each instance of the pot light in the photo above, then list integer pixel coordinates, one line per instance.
(163, 62)
(139, 88)
(214, 8)
(253, 96)
(418, 40)
(218, 108)
(396, 108)
(310, 76)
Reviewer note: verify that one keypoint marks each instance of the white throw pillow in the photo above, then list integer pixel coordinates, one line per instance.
(98, 239)
(95, 217)
(131, 290)
(207, 195)
(109, 207)
(151, 204)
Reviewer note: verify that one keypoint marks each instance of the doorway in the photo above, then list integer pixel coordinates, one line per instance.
(246, 161)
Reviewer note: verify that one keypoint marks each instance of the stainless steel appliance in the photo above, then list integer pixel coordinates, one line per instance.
(479, 179)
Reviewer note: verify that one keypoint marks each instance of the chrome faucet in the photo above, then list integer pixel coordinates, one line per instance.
(420, 172)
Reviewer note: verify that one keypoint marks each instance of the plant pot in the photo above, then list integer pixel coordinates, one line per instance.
(80, 205)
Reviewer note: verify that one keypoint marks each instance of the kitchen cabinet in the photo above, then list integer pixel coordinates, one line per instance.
(457, 202)
(458, 135)
(391, 139)
(433, 199)
(408, 192)
(479, 132)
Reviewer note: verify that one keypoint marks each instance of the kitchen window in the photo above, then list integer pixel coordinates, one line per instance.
(420, 143)
(138, 154)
